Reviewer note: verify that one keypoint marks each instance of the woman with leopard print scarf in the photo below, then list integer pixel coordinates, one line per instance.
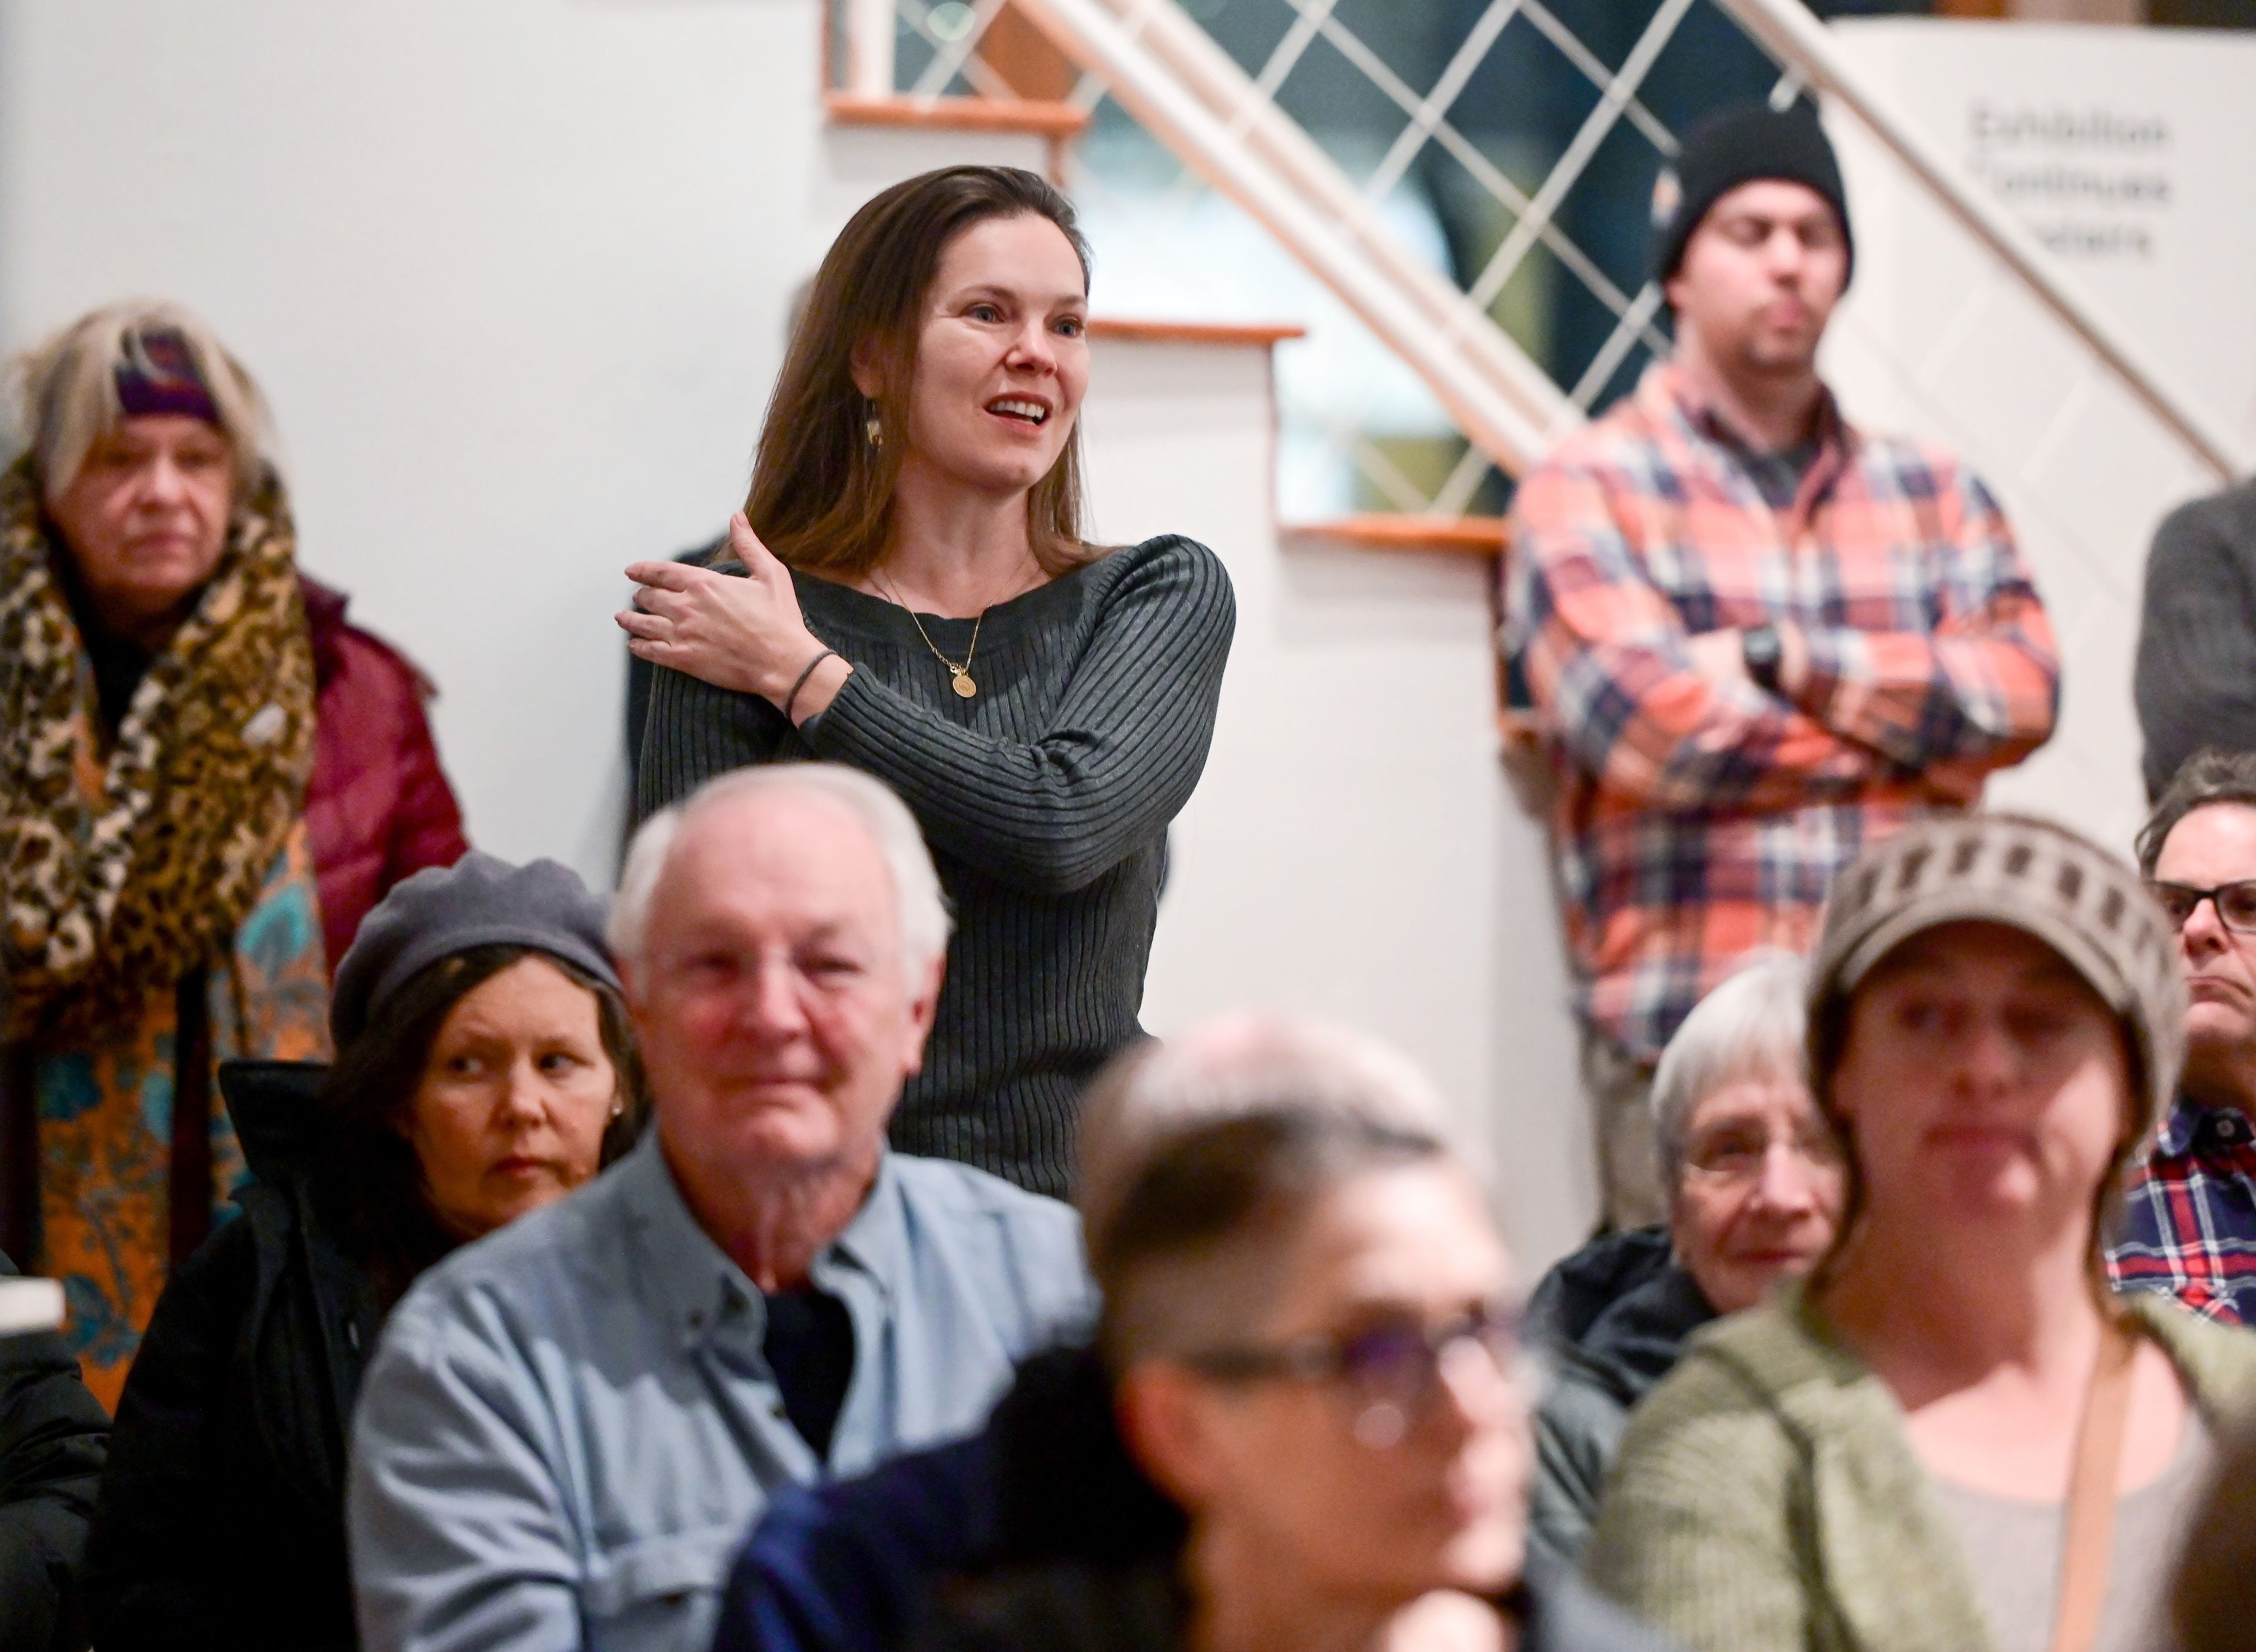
(159, 911)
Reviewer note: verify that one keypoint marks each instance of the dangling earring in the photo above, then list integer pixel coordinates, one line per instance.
(873, 428)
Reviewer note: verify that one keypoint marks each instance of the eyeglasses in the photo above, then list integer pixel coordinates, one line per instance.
(1392, 1375)
(1736, 1154)
(2236, 903)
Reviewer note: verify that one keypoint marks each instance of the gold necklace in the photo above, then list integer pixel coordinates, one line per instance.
(960, 675)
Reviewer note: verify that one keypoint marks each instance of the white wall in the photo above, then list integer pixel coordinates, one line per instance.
(1352, 851)
(513, 272)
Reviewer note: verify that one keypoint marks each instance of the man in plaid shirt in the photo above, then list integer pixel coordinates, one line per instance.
(1756, 637)
(2190, 1222)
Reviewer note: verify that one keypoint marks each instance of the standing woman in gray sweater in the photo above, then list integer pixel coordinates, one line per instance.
(910, 591)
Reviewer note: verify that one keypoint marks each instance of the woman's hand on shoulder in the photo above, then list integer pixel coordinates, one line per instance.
(745, 634)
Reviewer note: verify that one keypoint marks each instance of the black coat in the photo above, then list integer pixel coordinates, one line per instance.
(53, 1434)
(221, 1518)
(1618, 1314)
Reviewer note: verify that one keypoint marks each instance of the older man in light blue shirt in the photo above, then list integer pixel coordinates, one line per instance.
(570, 1425)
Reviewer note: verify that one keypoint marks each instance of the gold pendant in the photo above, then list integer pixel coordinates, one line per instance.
(964, 687)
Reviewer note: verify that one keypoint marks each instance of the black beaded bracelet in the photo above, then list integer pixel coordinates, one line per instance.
(792, 698)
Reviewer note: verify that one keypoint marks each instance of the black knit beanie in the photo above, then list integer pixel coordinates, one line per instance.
(1735, 146)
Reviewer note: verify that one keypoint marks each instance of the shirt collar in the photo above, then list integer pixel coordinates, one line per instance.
(2174, 1139)
(876, 1241)
(693, 1284)
(1668, 393)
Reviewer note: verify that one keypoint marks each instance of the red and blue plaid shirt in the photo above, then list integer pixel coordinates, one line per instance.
(2189, 1215)
(1700, 820)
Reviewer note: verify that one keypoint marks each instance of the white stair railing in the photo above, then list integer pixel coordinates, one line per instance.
(1190, 92)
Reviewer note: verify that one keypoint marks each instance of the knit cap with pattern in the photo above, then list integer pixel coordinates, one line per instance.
(2032, 876)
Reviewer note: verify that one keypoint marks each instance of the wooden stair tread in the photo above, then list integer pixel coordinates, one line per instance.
(1033, 116)
(1456, 536)
(1149, 332)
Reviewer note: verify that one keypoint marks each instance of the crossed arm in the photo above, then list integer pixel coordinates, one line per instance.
(1671, 718)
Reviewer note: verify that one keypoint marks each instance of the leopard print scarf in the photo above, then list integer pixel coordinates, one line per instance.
(120, 873)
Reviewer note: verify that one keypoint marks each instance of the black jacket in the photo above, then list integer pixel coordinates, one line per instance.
(53, 1435)
(221, 1518)
(1617, 1323)
(1567, 1301)
(1086, 1552)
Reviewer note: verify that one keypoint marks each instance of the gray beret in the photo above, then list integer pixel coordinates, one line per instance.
(2033, 876)
(480, 900)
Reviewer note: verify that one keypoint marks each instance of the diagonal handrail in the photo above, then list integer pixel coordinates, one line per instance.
(1191, 95)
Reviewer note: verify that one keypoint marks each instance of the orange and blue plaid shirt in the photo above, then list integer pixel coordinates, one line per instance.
(2189, 1214)
(1698, 820)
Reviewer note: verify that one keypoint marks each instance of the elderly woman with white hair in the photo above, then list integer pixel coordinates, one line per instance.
(206, 778)
(1755, 1189)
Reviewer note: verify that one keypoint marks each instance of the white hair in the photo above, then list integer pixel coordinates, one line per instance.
(1753, 1024)
(1227, 1068)
(921, 906)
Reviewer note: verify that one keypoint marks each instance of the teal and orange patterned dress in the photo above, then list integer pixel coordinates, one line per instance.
(105, 1120)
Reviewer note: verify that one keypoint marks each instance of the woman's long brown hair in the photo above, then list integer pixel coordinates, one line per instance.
(823, 493)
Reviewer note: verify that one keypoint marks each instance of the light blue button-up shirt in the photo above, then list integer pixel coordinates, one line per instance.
(569, 1426)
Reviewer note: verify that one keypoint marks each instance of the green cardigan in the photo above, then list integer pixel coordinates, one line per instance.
(1767, 1501)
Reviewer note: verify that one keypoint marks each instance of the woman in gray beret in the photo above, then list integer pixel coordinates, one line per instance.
(486, 1068)
(1954, 1437)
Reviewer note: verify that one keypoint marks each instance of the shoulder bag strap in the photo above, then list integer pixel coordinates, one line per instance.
(2090, 1525)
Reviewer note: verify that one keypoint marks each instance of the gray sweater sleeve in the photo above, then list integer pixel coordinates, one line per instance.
(1119, 758)
(2196, 679)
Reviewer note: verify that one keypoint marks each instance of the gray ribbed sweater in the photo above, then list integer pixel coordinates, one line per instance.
(2196, 680)
(1046, 802)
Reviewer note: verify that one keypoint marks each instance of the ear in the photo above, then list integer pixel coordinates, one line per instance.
(924, 1001)
(862, 365)
(1164, 1417)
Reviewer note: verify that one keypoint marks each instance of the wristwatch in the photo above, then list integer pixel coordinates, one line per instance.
(1763, 653)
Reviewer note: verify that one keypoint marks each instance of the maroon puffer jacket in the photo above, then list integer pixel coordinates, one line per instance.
(377, 807)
